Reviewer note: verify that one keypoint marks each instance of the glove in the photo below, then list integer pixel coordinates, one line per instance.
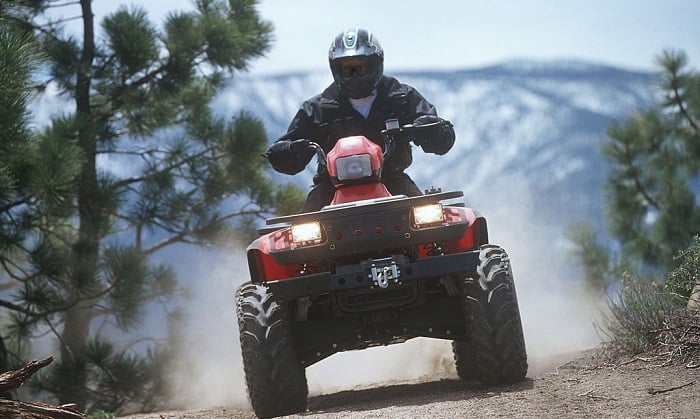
(436, 139)
(290, 157)
(425, 120)
(424, 136)
(301, 148)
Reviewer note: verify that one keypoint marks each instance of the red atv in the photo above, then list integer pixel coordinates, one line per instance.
(374, 269)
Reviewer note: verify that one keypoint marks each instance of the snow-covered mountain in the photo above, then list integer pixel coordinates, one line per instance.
(521, 126)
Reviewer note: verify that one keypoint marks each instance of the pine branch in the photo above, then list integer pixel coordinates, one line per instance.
(166, 242)
(166, 169)
(43, 29)
(180, 237)
(56, 5)
(68, 19)
(10, 271)
(678, 100)
(637, 182)
(27, 200)
(17, 308)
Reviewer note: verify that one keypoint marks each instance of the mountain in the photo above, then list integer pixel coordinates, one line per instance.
(521, 126)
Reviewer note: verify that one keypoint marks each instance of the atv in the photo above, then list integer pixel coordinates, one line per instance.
(374, 269)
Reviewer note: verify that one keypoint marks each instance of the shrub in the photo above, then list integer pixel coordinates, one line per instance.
(684, 277)
(636, 313)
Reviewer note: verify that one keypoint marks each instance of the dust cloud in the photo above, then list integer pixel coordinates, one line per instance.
(557, 316)
(208, 369)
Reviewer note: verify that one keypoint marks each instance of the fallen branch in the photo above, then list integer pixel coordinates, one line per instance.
(12, 380)
(26, 410)
(590, 395)
(666, 390)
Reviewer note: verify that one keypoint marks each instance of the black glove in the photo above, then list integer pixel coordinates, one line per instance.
(434, 138)
(301, 148)
(290, 157)
(426, 119)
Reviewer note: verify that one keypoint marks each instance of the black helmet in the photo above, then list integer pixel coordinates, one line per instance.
(356, 43)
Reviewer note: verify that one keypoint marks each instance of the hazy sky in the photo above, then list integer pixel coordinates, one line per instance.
(456, 34)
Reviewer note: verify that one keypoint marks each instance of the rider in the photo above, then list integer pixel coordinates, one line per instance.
(359, 102)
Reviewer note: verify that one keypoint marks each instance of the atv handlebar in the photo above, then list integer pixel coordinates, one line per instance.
(405, 133)
(391, 135)
(320, 154)
(394, 130)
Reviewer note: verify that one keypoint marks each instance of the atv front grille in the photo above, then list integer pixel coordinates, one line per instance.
(355, 301)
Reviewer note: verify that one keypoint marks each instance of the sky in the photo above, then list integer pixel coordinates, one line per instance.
(467, 34)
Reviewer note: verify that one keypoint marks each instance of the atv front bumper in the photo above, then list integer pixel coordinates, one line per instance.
(378, 273)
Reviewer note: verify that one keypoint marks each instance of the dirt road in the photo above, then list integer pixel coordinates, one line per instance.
(581, 387)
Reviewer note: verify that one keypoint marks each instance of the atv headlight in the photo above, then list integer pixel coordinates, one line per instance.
(428, 214)
(307, 232)
(354, 167)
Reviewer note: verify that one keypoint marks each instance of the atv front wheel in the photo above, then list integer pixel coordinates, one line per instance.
(465, 359)
(495, 333)
(275, 379)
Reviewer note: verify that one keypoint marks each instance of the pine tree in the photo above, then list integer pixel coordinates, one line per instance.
(653, 182)
(655, 170)
(18, 58)
(139, 102)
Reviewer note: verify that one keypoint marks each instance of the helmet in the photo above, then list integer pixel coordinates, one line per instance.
(356, 44)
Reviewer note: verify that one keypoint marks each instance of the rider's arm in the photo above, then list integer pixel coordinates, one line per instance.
(440, 140)
(290, 153)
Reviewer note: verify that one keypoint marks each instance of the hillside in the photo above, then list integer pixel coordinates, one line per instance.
(538, 122)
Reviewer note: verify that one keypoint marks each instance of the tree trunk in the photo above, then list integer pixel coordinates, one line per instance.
(76, 329)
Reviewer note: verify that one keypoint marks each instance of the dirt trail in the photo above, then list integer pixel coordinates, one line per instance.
(580, 387)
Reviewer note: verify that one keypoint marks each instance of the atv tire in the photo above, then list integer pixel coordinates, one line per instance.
(275, 379)
(465, 359)
(495, 352)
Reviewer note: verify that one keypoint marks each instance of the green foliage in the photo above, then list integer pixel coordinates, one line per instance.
(652, 210)
(593, 258)
(19, 57)
(136, 162)
(127, 271)
(55, 168)
(117, 378)
(289, 199)
(636, 312)
(686, 275)
(132, 38)
(654, 158)
(63, 55)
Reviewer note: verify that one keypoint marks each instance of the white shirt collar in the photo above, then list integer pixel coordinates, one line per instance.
(363, 105)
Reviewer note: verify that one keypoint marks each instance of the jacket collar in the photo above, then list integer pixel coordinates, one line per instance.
(388, 87)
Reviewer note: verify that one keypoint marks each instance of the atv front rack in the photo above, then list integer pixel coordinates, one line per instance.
(361, 275)
(364, 207)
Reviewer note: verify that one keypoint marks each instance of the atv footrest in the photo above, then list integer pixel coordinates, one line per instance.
(460, 264)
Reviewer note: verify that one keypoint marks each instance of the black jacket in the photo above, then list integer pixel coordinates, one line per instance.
(329, 116)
